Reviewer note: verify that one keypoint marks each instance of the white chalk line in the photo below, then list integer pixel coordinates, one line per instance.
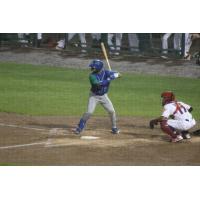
(23, 127)
(48, 143)
(22, 145)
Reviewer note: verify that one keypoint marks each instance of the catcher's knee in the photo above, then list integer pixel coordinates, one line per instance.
(167, 129)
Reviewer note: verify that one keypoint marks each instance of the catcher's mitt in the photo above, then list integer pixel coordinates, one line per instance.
(152, 123)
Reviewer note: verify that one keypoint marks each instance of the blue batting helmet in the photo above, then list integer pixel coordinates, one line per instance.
(96, 64)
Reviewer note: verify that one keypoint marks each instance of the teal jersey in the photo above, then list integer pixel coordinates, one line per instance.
(100, 82)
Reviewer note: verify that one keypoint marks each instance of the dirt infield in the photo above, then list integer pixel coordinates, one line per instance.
(27, 140)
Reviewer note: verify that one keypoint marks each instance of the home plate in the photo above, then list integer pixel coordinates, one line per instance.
(89, 137)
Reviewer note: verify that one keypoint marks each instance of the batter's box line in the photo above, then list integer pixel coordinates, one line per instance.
(47, 131)
(24, 127)
(23, 145)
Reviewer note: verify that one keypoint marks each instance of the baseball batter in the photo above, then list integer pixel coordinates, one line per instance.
(176, 118)
(100, 81)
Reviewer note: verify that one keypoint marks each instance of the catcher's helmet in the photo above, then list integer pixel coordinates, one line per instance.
(167, 97)
(96, 64)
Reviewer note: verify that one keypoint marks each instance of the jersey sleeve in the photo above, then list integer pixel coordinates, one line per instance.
(93, 80)
(167, 111)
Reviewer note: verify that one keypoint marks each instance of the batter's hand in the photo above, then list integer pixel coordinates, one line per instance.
(120, 75)
(117, 75)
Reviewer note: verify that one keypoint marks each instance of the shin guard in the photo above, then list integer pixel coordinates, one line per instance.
(168, 129)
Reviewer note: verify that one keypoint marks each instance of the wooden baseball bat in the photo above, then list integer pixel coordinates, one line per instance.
(105, 55)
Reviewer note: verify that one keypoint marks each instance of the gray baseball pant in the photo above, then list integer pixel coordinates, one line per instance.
(105, 102)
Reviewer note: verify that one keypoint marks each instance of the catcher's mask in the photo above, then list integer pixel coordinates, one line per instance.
(167, 97)
(96, 65)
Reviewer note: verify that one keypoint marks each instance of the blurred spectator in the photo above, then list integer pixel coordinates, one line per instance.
(194, 38)
(30, 38)
(189, 38)
(38, 39)
(187, 43)
(183, 48)
(62, 43)
(96, 39)
(117, 38)
(24, 38)
(110, 41)
(176, 42)
(133, 42)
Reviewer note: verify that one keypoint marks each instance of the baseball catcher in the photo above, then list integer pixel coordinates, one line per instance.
(100, 80)
(176, 119)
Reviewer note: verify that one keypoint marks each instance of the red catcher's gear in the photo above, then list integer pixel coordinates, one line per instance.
(168, 97)
(168, 129)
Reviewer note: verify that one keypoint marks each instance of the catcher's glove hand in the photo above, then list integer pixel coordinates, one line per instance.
(152, 123)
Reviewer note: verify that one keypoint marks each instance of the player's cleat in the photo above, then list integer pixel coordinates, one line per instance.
(177, 139)
(185, 135)
(80, 126)
(115, 130)
(77, 131)
(59, 48)
(164, 57)
(188, 136)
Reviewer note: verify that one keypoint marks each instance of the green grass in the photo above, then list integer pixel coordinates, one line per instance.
(9, 164)
(39, 90)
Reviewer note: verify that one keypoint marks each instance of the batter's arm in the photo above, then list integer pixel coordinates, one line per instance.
(97, 83)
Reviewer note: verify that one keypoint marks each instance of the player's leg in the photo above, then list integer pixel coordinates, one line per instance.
(165, 42)
(177, 41)
(70, 36)
(39, 39)
(92, 102)
(170, 127)
(96, 36)
(108, 106)
(133, 42)
(109, 41)
(188, 43)
(83, 42)
(118, 42)
(187, 124)
(181, 126)
(96, 39)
